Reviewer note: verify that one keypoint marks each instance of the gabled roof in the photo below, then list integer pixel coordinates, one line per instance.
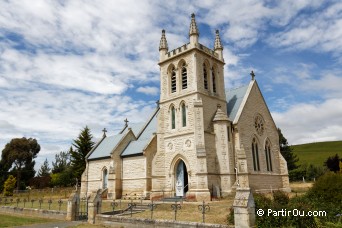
(143, 132)
(145, 136)
(105, 147)
(234, 100)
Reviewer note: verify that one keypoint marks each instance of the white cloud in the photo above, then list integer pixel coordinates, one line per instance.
(320, 31)
(64, 65)
(150, 90)
(303, 123)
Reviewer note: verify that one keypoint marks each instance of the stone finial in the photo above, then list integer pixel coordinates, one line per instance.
(220, 115)
(104, 132)
(163, 42)
(193, 26)
(218, 44)
(253, 75)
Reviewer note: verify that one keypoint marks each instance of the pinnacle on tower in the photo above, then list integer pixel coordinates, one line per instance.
(218, 44)
(163, 41)
(193, 26)
(218, 48)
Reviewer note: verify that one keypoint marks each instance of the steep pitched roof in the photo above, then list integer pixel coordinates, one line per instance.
(142, 131)
(105, 147)
(143, 139)
(234, 100)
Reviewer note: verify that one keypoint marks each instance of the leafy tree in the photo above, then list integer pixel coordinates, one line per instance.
(63, 179)
(19, 154)
(287, 152)
(61, 163)
(9, 185)
(83, 144)
(44, 169)
(333, 163)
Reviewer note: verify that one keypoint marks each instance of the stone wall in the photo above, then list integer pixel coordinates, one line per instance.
(52, 214)
(148, 223)
(95, 172)
(255, 105)
(134, 174)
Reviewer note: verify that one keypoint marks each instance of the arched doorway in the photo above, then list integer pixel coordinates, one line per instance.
(105, 179)
(181, 179)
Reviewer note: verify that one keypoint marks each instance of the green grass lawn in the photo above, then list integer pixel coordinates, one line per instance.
(317, 153)
(10, 220)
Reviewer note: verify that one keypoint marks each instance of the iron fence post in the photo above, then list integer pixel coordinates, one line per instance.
(152, 206)
(175, 207)
(203, 209)
(131, 205)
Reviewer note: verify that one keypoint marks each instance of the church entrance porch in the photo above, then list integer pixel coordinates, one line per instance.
(181, 179)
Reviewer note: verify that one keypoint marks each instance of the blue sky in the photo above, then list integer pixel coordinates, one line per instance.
(68, 64)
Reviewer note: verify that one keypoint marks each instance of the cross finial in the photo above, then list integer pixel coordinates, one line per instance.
(252, 74)
(157, 102)
(104, 132)
(126, 122)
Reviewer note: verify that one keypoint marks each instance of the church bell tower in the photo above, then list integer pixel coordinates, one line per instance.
(191, 90)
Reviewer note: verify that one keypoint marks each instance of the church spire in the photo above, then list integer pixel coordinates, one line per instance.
(193, 26)
(218, 48)
(218, 44)
(163, 47)
(163, 41)
(193, 32)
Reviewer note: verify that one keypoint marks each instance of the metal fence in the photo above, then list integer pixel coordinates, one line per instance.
(41, 203)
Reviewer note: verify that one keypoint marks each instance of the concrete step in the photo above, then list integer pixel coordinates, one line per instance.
(173, 199)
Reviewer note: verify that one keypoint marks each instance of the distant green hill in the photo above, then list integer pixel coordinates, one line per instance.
(317, 153)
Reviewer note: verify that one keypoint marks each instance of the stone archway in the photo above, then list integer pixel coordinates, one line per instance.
(181, 179)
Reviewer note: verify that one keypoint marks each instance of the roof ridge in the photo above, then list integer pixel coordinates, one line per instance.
(237, 87)
(147, 123)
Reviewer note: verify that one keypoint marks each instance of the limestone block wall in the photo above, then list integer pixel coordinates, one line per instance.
(255, 105)
(267, 182)
(95, 172)
(134, 174)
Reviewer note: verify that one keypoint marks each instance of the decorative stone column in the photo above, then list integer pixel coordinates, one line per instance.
(244, 206)
(73, 205)
(94, 205)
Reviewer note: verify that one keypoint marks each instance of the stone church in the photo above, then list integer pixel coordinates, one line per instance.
(202, 141)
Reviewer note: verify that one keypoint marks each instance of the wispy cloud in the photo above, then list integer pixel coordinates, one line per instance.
(67, 64)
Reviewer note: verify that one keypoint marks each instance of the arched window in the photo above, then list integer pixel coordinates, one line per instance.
(183, 115)
(213, 79)
(205, 76)
(255, 154)
(173, 80)
(184, 77)
(105, 178)
(173, 118)
(268, 155)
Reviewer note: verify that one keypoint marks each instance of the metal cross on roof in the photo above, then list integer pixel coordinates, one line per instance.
(104, 132)
(126, 122)
(252, 74)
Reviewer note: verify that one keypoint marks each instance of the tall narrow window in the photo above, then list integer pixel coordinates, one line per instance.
(184, 77)
(183, 115)
(255, 154)
(205, 77)
(173, 80)
(268, 156)
(173, 118)
(214, 80)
